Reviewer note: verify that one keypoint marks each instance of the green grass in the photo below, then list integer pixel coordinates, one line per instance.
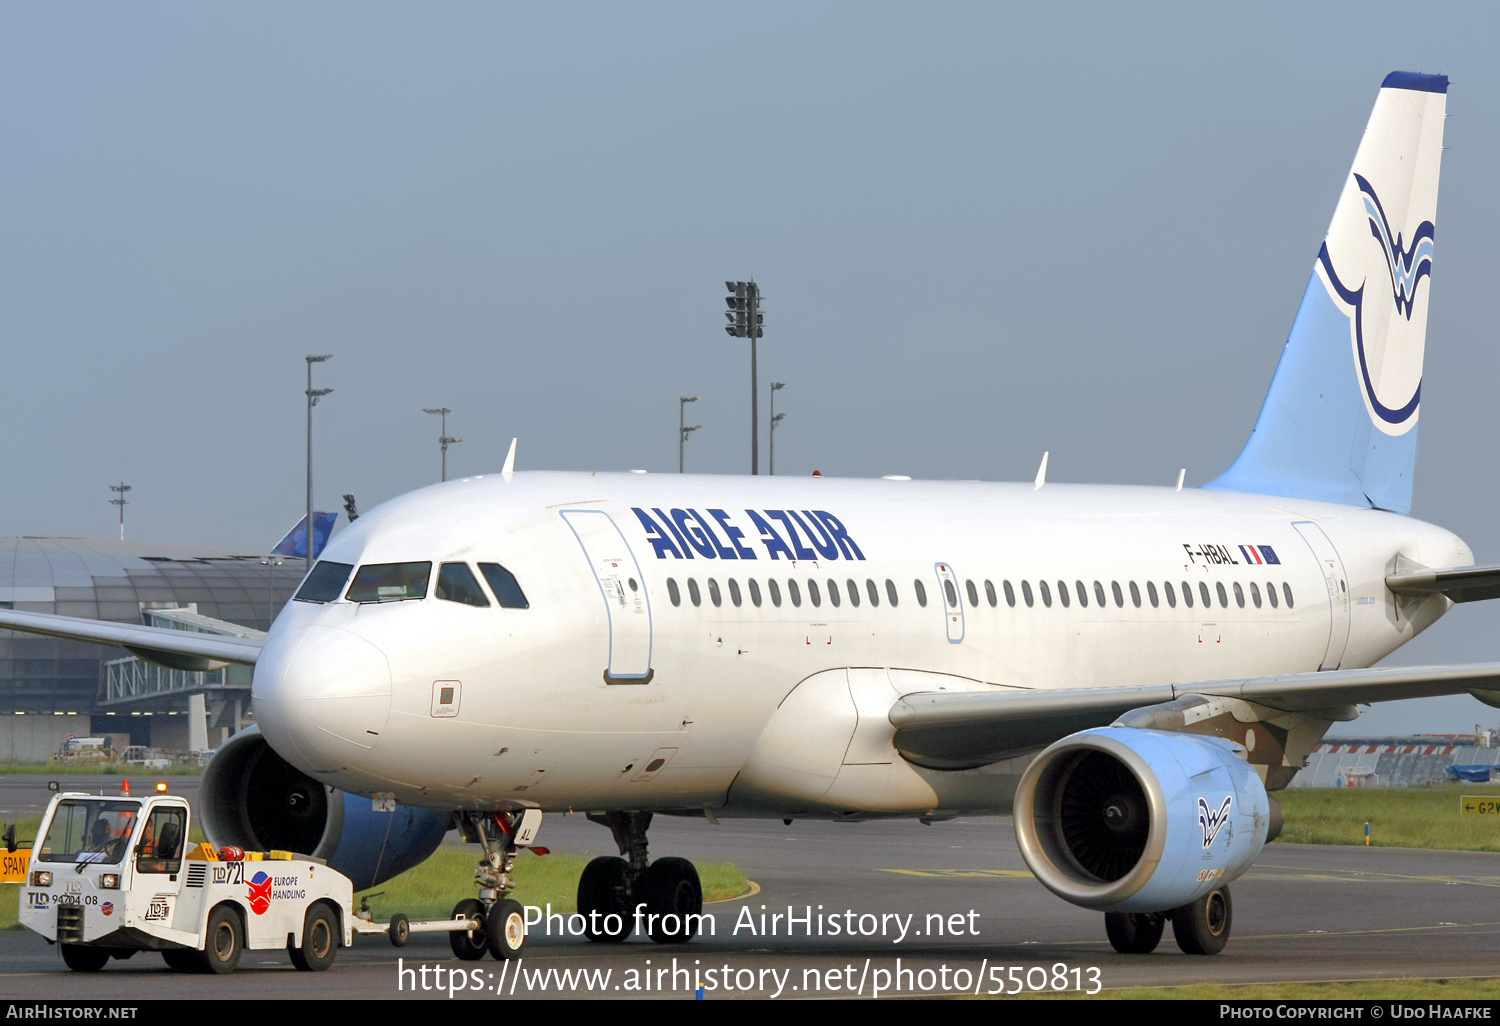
(95, 769)
(1421, 817)
(1406, 988)
(433, 888)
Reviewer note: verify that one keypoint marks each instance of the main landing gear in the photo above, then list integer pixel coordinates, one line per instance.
(1200, 927)
(500, 921)
(618, 895)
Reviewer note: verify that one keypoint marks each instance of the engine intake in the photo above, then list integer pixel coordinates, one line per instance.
(253, 798)
(1127, 820)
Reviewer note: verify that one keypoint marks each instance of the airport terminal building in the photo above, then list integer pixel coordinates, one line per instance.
(50, 689)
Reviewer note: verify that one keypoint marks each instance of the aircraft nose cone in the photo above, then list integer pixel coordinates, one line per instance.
(323, 693)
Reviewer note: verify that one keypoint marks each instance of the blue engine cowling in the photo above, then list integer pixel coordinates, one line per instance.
(253, 798)
(1126, 820)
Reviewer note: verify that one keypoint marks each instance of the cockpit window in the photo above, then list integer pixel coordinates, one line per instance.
(503, 583)
(325, 583)
(390, 582)
(457, 583)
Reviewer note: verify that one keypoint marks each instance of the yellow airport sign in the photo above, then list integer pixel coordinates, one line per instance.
(1478, 805)
(13, 865)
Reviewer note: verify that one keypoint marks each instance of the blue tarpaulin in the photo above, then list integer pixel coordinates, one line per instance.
(1474, 774)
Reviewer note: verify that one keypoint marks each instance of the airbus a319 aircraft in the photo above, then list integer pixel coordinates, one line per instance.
(1131, 671)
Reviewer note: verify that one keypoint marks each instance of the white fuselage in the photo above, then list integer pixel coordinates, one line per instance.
(599, 696)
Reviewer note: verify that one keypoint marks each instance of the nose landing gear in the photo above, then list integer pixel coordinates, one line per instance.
(500, 921)
(622, 895)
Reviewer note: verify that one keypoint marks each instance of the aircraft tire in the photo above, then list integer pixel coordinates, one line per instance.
(674, 897)
(1202, 927)
(468, 945)
(1134, 933)
(604, 891)
(505, 930)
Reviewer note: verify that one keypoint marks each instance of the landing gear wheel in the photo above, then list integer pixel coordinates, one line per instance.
(399, 931)
(468, 945)
(84, 960)
(224, 939)
(1202, 927)
(320, 941)
(505, 929)
(604, 892)
(674, 900)
(184, 960)
(1134, 933)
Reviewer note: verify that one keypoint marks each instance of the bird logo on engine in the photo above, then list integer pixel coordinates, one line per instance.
(1213, 820)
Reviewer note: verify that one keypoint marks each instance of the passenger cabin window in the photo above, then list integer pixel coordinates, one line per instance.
(1151, 594)
(1203, 594)
(775, 590)
(1171, 594)
(1286, 590)
(713, 592)
(890, 592)
(1187, 594)
(1255, 594)
(833, 591)
(949, 591)
(1046, 593)
(457, 583)
(1223, 598)
(812, 593)
(755, 592)
(1271, 593)
(325, 583)
(1114, 586)
(853, 590)
(973, 593)
(989, 593)
(793, 592)
(734, 592)
(390, 582)
(1239, 595)
(921, 593)
(873, 590)
(1135, 595)
(1026, 594)
(1099, 595)
(694, 594)
(503, 583)
(1083, 594)
(1063, 593)
(673, 592)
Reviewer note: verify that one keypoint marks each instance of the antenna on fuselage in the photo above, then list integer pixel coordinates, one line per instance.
(1041, 472)
(510, 461)
(1181, 475)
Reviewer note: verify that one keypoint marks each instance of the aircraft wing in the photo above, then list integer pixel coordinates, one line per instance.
(181, 650)
(1461, 584)
(951, 730)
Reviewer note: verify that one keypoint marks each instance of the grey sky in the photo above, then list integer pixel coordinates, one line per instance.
(982, 231)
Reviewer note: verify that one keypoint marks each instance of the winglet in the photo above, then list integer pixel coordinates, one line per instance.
(1041, 472)
(510, 461)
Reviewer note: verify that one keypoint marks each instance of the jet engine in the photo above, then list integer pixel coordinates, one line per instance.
(253, 798)
(1120, 819)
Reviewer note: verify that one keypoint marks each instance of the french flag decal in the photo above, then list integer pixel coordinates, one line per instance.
(1259, 554)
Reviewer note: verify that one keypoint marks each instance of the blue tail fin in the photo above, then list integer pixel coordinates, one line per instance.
(1340, 421)
(295, 542)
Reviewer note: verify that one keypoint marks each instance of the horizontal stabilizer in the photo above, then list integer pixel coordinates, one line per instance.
(960, 730)
(1462, 584)
(295, 542)
(181, 650)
